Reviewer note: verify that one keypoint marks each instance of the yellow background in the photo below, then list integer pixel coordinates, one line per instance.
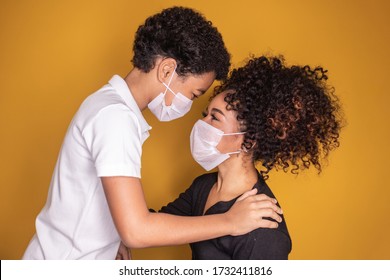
(55, 53)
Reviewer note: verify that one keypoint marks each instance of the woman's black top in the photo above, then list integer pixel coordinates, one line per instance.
(262, 243)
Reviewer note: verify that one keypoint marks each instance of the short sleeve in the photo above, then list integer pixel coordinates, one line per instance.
(115, 142)
(263, 244)
(181, 206)
(191, 202)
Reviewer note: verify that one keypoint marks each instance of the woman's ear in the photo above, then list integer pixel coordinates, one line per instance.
(248, 147)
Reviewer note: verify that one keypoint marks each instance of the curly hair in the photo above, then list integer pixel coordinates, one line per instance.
(185, 35)
(291, 117)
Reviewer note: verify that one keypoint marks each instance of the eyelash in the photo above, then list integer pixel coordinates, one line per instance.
(205, 114)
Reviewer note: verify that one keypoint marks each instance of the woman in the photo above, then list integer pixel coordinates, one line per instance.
(280, 117)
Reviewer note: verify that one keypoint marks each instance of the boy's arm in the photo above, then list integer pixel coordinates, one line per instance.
(138, 228)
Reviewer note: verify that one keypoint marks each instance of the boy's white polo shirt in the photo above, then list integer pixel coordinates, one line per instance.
(104, 138)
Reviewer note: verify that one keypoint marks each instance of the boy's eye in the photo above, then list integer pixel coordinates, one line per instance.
(213, 117)
(204, 114)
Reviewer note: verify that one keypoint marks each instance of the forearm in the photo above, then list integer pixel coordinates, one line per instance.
(159, 229)
(139, 228)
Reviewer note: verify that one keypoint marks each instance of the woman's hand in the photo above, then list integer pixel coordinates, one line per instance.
(249, 211)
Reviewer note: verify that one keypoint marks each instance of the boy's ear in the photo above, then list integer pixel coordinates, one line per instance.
(165, 69)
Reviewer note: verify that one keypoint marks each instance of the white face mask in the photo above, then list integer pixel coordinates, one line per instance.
(204, 141)
(179, 107)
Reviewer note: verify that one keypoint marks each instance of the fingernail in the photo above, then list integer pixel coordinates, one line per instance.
(275, 200)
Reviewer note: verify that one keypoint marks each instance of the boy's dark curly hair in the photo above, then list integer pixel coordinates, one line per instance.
(185, 35)
(291, 117)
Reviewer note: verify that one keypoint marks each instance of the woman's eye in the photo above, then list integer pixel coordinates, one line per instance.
(204, 114)
(213, 117)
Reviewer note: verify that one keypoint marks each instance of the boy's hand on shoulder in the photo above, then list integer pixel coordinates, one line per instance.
(249, 211)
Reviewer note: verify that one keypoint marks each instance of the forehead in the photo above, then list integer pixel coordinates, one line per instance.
(205, 80)
(219, 100)
(219, 103)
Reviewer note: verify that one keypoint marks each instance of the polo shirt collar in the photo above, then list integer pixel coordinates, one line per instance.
(123, 90)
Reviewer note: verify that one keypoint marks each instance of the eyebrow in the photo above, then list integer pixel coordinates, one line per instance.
(217, 111)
